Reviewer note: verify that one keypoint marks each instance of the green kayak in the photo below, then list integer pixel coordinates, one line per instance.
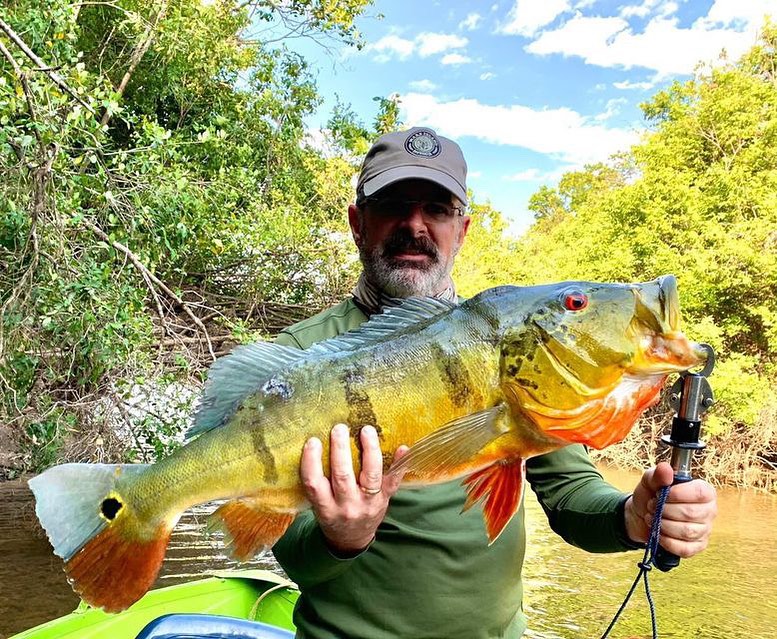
(256, 595)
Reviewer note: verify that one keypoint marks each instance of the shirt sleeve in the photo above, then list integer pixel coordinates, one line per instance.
(304, 555)
(581, 507)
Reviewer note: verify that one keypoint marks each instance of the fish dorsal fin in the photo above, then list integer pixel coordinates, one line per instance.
(236, 376)
(246, 369)
(388, 324)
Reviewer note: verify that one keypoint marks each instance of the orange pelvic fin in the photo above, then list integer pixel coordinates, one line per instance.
(115, 568)
(500, 487)
(249, 526)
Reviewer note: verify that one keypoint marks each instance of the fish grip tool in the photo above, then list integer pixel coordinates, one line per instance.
(690, 396)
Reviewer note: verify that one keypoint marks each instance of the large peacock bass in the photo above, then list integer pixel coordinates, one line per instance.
(474, 389)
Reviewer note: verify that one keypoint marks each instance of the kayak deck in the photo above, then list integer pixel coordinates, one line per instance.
(257, 595)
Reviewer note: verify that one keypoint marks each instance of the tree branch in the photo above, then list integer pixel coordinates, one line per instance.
(137, 55)
(45, 68)
(149, 278)
(25, 86)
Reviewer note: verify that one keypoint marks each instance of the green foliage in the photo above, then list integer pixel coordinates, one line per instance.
(166, 185)
(487, 257)
(171, 180)
(698, 198)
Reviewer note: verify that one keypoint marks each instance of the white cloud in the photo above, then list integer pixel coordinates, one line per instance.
(471, 22)
(474, 175)
(528, 16)
(663, 8)
(455, 59)
(626, 85)
(668, 9)
(634, 11)
(433, 43)
(487, 75)
(529, 175)
(535, 175)
(743, 13)
(560, 133)
(663, 45)
(425, 86)
(391, 44)
(424, 44)
(611, 109)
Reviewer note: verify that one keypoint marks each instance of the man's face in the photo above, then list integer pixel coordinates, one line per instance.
(405, 250)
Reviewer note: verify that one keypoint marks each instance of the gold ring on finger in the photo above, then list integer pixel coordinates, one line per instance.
(371, 491)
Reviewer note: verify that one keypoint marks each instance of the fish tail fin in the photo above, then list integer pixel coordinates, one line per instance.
(249, 526)
(112, 554)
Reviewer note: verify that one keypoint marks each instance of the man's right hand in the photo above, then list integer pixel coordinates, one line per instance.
(348, 510)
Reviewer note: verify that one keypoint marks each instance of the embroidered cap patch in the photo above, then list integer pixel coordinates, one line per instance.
(423, 143)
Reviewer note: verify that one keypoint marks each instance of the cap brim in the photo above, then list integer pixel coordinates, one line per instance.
(399, 173)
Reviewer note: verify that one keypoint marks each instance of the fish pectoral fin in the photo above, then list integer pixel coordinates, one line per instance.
(500, 487)
(249, 526)
(442, 453)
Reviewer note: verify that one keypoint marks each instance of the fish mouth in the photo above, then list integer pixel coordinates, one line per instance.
(664, 354)
(662, 346)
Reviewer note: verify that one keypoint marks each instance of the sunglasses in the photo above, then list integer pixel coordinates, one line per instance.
(398, 207)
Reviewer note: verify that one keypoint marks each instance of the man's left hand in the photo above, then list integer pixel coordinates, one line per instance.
(686, 522)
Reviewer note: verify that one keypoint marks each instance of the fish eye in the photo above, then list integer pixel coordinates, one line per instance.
(574, 300)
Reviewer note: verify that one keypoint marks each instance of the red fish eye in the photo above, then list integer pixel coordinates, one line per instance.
(575, 301)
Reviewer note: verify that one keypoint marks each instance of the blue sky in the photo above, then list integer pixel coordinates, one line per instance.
(529, 88)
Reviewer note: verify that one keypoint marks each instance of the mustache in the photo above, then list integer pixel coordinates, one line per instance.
(403, 240)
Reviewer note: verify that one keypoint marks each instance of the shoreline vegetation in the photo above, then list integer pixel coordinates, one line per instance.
(161, 201)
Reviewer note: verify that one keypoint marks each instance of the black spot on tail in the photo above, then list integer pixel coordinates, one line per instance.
(110, 508)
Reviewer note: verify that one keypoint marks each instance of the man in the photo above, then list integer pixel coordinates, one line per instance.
(414, 566)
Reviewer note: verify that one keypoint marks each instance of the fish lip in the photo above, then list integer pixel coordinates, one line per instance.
(666, 353)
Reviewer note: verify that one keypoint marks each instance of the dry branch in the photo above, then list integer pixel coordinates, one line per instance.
(45, 68)
(137, 56)
(151, 279)
(25, 86)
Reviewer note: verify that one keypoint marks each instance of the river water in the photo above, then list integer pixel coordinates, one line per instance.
(728, 592)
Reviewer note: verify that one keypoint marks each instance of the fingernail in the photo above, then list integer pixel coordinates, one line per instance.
(340, 430)
(313, 443)
(369, 431)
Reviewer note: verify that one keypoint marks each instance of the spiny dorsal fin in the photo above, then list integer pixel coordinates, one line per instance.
(236, 376)
(388, 324)
(245, 370)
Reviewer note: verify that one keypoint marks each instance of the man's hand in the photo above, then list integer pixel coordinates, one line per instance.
(348, 510)
(688, 513)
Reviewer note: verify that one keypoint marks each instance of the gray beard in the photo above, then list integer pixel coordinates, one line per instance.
(398, 278)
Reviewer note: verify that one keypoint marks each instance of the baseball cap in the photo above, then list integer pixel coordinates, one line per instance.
(418, 153)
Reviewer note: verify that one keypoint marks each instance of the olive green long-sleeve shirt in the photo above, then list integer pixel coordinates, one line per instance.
(430, 573)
